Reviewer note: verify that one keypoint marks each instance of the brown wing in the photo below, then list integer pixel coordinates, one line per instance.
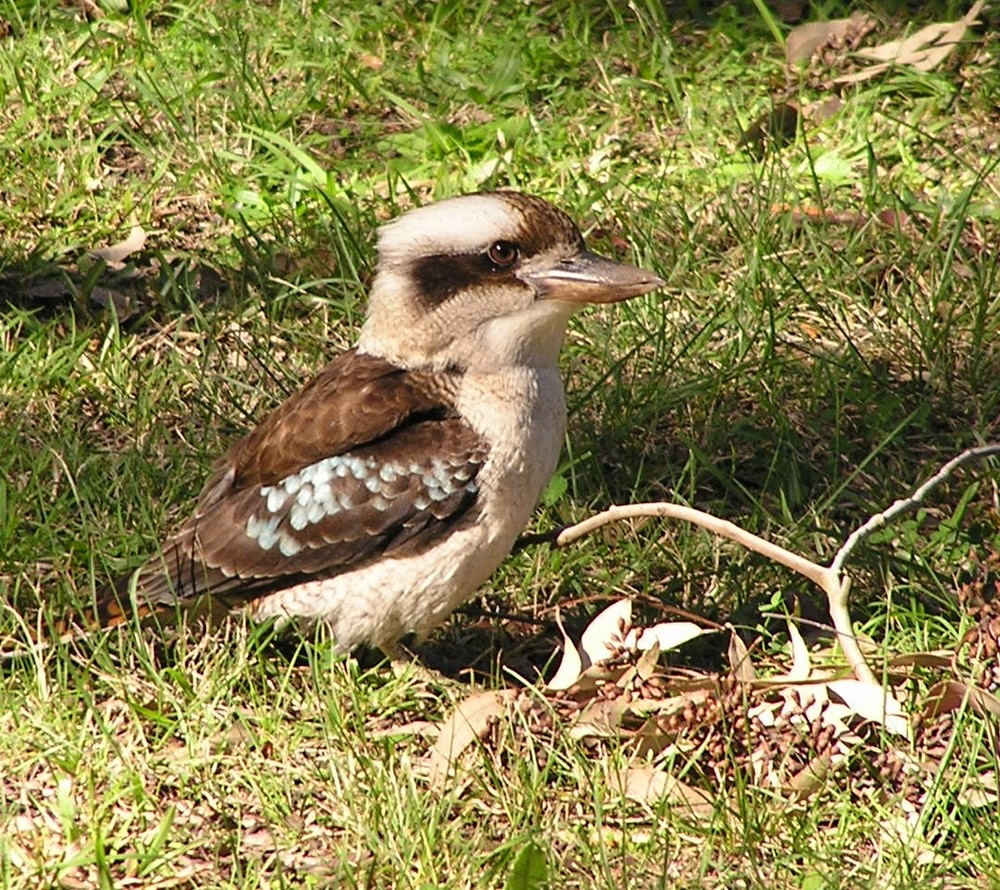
(397, 470)
(356, 398)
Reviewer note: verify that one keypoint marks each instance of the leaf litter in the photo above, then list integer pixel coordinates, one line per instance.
(838, 44)
(830, 56)
(691, 737)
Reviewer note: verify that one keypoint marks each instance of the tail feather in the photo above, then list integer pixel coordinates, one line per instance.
(113, 606)
(176, 582)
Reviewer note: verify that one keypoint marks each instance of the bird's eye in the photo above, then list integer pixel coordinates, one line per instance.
(503, 254)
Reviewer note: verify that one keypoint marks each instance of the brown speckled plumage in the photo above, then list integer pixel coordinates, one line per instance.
(383, 492)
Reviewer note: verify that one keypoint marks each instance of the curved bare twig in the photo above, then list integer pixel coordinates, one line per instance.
(832, 579)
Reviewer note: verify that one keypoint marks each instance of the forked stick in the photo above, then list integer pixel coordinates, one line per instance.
(832, 580)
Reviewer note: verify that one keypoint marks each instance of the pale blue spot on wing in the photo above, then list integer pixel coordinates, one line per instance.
(310, 496)
(298, 516)
(321, 473)
(268, 536)
(316, 513)
(276, 498)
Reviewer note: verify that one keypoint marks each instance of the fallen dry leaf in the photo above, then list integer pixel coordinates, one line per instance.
(739, 658)
(923, 50)
(810, 778)
(804, 40)
(667, 635)
(982, 791)
(604, 635)
(801, 662)
(648, 785)
(600, 718)
(871, 702)
(608, 635)
(136, 240)
(951, 695)
(571, 664)
(807, 214)
(414, 728)
(599, 642)
(471, 720)
(942, 658)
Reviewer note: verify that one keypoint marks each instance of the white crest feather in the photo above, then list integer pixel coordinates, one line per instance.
(466, 224)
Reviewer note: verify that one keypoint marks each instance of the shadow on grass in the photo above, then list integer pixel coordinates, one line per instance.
(129, 289)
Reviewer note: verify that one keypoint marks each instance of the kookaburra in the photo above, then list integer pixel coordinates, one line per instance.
(384, 492)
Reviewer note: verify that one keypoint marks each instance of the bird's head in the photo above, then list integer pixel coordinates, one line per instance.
(486, 280)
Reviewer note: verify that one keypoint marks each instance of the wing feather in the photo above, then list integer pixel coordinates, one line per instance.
(266, 519)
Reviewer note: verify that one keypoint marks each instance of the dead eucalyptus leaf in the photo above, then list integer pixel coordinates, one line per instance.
(598, 675)
(659, 707)
(871, 702)
(863, 74)
(903, 52)
(801, 662)
(804, 40)
(650, 739)
(670, 635)
(787, 681)
(739, 658)
(923, 50)
(810, 778)
(600, 718)
(941, 658)
(981, 791)
(648, 785)
(951, 695)
(608, 628)
(571, 664)
(600, 641)
(975, 797)
(424, 728)
(471, 720)
(934, 41)
(648, 663)
(764, 713)
(136, 240)
(671, 705)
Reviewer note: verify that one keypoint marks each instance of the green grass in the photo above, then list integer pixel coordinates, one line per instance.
(794, 376)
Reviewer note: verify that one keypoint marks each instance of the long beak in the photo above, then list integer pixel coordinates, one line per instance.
(591, 278)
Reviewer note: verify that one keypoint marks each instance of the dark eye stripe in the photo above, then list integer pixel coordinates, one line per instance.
(440, 277)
